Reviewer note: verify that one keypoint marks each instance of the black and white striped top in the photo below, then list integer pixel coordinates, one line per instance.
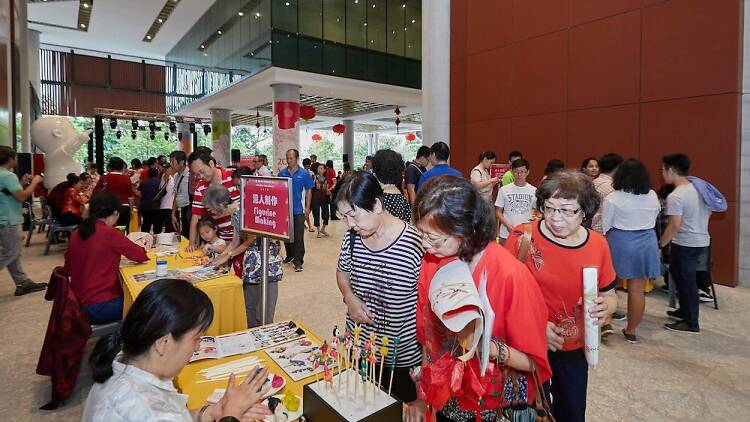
(386, 281)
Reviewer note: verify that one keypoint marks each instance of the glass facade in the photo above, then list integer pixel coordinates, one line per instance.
(374, 40)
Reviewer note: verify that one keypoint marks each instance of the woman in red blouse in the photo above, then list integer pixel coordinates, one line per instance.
(93, 260)
(560, 248)
(456, 223)
(73, 202)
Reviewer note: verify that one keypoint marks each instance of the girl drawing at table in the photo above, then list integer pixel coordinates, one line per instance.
(212, 245)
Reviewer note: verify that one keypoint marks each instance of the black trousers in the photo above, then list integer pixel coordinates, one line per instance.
(320, 207)
(683, 265)
(166, 220)
(570, 377)
(184, 217)
(151, 219)
(70, 219)
(124, 219)
(296, 249)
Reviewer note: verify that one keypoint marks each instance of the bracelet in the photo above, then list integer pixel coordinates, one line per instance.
(201, 412)
(503, 352)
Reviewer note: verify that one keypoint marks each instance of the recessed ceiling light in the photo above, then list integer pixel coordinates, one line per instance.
(218, 32)
(161, 20)
(404, 6)
(83, 25)
(241, 14)
(205, 54)
(203, 46)
(413, 21)
(85, 5)
(148, 36)
(373, 5)
(365, 23)
(287, 3)
(257, 14)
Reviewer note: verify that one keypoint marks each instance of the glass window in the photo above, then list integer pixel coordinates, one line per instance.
(396, 27)
(284, 15)
(413, 25)
(376, 25)
(334, 20)
(310, 54)
(356, 28)
(356, 63)
(284, 49)
(311, 18)
(334, 59)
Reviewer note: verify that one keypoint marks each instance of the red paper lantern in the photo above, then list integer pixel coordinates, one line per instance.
(307, 112)
(338, 129)
(410, 137)
(316, 137)
(397, 111)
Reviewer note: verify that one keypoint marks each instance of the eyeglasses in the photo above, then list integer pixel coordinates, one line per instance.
(435, 243)
(565, 212)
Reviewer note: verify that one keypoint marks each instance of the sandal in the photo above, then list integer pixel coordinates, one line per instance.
(320, 235)
(311, 230)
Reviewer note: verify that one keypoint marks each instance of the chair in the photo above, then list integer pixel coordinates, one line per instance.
(39, 224)
(54, 229)
(705, 264)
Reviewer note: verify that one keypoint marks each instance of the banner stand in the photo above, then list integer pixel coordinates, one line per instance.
(264, 252)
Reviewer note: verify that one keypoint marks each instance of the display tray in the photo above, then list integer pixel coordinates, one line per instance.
(339, 402)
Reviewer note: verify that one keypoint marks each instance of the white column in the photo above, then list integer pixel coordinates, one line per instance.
(34, 65)
(285, 122)
(221, 135)
(436, 71)
(349, 141)
(743, 270)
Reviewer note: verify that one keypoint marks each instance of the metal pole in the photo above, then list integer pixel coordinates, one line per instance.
(264, 245)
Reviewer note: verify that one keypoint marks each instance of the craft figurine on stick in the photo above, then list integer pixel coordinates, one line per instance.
(383, 353)
(396, 342)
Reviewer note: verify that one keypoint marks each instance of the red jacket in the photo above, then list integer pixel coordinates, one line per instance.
(117, 183)
(67, 334)
(94, 263)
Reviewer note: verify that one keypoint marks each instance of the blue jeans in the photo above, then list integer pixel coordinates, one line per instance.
(570, 377)
(104, 312)
(683, 264)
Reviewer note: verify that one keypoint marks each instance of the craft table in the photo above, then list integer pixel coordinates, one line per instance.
(187, 381)
(225, 292)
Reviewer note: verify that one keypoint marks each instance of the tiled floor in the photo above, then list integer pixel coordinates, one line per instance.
(668, 376)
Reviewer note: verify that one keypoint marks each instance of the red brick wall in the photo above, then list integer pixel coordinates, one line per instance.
(575, 78)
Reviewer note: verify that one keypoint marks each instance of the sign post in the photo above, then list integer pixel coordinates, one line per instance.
(266, 211)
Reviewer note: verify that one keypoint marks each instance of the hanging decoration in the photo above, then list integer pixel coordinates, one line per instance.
(316, 137)
(338, 129)
(307, 112)
(410, 137)
(257, 122)
(398, 122)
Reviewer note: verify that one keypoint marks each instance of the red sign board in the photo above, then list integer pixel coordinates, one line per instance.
(266, 206)
(498, 170)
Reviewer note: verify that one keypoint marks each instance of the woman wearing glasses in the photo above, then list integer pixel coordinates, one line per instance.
(560, 248)
(377, 275)
(458, 224)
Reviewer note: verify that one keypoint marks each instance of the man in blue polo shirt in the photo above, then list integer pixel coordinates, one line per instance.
(302, 184)
(439, 154)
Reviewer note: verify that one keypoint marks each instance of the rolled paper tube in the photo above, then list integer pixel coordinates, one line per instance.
(591, 328)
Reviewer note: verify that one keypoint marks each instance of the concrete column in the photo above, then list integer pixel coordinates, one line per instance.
(349, 141)
(436, 71)
(23, 76)
(285, 122)
(221, 136)
(743, 263)
(34, 65)
(186, 143)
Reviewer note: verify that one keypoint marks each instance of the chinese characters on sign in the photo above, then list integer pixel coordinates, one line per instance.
(266, 206)
(498, 170)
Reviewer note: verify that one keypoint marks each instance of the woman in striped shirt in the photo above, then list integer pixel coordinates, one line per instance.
(377, 275)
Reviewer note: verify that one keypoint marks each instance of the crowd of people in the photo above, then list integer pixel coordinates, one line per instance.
(406, 221)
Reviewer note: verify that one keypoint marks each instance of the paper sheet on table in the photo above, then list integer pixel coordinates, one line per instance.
(214, 347)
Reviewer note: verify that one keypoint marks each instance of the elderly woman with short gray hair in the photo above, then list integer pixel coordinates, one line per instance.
(243, 252)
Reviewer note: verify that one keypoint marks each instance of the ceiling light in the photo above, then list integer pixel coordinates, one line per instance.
(287, 3)
(203, 46)
(218, 32)
(86, 5)
(148, 36)
(161, 20)
(205, 54)
(241, 14)
(413, 21)
(83, 25)
(365, 23)
(257, 14)
(373, 6)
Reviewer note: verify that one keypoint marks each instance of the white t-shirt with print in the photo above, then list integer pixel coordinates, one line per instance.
(517, 203)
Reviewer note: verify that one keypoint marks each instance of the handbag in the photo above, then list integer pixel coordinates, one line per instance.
(515, 390)
(156, 202)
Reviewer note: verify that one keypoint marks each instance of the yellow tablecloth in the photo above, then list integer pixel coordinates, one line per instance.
(225, 293)
(187, 381)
